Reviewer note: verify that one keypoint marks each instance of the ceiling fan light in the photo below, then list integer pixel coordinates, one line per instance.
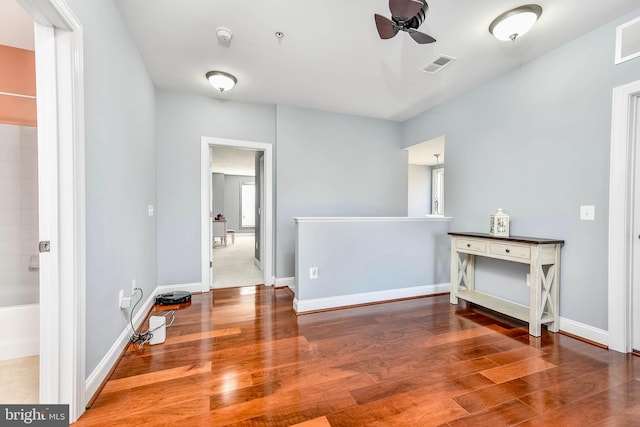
(515, 22)
(221, 80)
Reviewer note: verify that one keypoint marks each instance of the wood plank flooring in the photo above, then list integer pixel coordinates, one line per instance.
(240, 357)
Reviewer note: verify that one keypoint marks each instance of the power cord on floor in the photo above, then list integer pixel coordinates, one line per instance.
(141, 338)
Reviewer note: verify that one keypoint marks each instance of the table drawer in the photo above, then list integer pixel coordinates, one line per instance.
(515, 251)
(472, 245)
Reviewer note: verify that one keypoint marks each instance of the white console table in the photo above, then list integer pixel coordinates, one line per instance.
(543, 257)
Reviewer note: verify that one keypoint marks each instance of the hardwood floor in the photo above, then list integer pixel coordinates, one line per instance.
(241, 357)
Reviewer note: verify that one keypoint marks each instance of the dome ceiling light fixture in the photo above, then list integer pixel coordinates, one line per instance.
(515, 23)
(221, 80)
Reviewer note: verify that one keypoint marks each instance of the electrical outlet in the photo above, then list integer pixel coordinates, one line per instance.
(122, 301)
(133, 286)
(313, 272)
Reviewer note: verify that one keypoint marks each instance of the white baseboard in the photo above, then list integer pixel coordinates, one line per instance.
(289, 282)
(99, 374)
(21, 337)
(95, 379)
(584, 331)
(367, 297)
(189, 287)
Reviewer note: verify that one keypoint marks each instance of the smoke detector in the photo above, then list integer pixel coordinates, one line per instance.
(224, 36)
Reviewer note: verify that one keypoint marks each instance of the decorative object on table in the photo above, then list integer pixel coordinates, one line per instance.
(499, 224)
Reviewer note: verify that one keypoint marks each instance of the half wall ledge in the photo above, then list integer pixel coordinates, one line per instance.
(342, 261)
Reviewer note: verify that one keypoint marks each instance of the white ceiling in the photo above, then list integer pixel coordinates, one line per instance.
(232, 161)
(331, 57)
(16, 26)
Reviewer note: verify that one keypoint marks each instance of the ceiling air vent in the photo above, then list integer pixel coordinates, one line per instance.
(628, 41)
(437, 64)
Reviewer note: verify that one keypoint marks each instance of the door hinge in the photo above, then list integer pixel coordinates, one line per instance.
(44, 246)
(210, 264)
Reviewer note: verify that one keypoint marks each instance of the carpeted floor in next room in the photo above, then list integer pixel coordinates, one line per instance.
(233, 264)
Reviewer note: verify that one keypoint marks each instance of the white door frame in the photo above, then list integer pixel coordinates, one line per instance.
(267, 209)
(60, 112)
(621, 205)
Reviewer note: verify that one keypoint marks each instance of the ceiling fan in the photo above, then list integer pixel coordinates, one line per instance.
(406, 15)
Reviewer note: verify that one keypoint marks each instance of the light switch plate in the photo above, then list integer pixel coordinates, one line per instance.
(587, 213)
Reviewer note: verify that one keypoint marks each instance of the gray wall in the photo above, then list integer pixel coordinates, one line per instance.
(367, 256)
(326, 164)
(181, 120)
(334, 165)
(419, 190)
(535, 142)
(550, 119)
(120, 172)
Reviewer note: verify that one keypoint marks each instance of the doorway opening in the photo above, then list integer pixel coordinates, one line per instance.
(19, 259)
(236, 249)
(235, 209)
(426, 178)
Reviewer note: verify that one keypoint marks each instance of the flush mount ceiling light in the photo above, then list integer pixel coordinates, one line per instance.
(221, 80)
(515, 23)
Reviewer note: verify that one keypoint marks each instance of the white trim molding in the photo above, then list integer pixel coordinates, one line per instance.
(373, 219)
(289, 282)
(60, 94)
(585, 331)
(189, 287)
(343, 301)
(621, 204)
(100, 373)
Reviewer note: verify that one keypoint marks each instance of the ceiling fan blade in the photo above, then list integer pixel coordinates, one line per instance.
(386, 27)
(421, 38)
(405, 9)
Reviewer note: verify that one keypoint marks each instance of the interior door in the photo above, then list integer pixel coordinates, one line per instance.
(262, 216)
(212, 206)
(635, 291)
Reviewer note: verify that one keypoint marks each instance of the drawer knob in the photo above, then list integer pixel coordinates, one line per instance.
(507, 250)
(468, 245)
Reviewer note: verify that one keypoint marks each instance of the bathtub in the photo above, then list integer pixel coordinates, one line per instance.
(20, 336)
